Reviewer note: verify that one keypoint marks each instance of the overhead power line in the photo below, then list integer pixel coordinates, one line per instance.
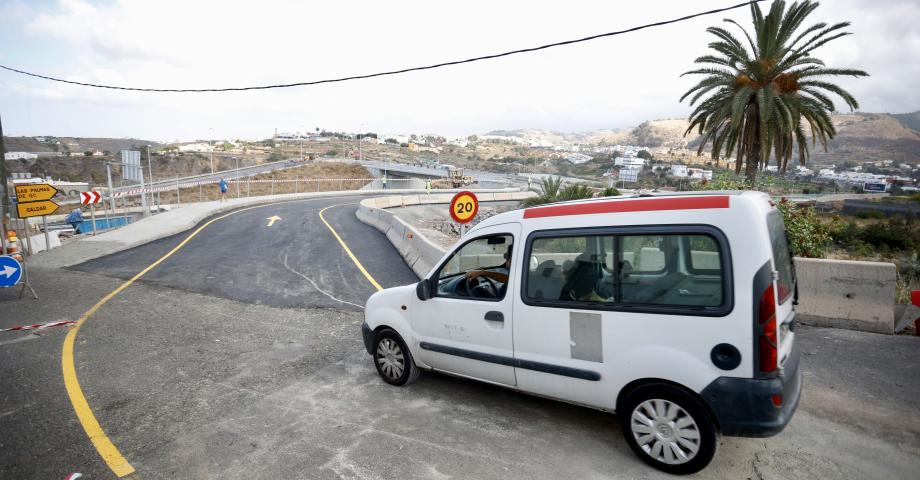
(391, 72)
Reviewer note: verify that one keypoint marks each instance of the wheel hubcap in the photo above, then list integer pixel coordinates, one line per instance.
(390, 358)
(665, 431)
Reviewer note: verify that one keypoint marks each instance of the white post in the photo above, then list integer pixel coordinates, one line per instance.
(92, 212)
(144, 204)
(108, 173)
(47, 236)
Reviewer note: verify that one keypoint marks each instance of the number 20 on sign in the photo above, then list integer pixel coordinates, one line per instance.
(464, 207)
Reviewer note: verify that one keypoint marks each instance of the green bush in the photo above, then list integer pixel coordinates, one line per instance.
(808, 236)
(876, 214)
(610, 192)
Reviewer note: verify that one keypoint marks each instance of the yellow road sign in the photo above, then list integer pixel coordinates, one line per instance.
(34, 192)
(464, 206)
(36, 209)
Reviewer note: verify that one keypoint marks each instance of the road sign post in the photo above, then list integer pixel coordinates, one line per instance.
(463, 209)
(91, 198)
(10, 271)
(34, 200)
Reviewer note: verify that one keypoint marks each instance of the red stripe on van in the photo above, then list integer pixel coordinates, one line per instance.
(621, 206)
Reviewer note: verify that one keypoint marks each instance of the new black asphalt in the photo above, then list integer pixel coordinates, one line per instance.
(295, 263)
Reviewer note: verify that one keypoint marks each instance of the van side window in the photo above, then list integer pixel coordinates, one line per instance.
(570, 269)
(678, 282)
(627, 271)
(478, 270)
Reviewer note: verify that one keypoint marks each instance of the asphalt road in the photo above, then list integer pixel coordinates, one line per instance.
(295, 263)
(218, 364)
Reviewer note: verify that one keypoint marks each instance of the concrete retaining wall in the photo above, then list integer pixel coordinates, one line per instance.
(832, 293)
(847, 294)
(420, 253)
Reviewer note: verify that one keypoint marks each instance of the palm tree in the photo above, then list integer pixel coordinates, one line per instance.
(761, 91)
(554, 192)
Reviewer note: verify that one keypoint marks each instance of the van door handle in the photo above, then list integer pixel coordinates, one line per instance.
(495, 316)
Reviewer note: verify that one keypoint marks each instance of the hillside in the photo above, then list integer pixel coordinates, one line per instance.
(909, 120)
(860, 137)
(73, 144)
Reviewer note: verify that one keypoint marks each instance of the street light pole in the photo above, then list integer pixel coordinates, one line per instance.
(150, 171)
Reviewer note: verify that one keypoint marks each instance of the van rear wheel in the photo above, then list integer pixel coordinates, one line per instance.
(392, 359)
(668, 429)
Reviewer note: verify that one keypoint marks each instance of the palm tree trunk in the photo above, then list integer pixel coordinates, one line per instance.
(752, 162)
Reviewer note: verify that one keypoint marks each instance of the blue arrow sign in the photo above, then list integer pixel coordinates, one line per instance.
(10, 271)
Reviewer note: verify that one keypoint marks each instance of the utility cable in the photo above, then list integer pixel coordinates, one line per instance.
(391, 72)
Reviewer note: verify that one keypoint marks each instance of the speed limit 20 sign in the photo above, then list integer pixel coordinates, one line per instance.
(464, 206)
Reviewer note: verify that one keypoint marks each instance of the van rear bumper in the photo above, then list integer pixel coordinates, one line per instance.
(744, 407)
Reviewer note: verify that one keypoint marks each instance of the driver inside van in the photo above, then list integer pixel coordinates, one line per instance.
(499, 275)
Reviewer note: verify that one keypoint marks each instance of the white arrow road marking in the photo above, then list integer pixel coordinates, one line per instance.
(8, 271)
(272, 219)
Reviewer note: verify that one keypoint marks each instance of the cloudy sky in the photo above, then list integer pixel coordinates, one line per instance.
(608, 83)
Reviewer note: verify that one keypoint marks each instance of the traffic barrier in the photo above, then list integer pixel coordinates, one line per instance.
(420, 253)
(40, 326)
(847, 294)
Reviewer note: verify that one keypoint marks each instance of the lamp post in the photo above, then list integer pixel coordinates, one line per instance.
(150, 171)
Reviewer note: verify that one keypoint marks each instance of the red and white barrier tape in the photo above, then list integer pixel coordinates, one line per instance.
(38, 327)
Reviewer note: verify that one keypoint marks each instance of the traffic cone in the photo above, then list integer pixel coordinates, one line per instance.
(12, 245)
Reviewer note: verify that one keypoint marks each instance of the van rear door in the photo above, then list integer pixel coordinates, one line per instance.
(784, 285)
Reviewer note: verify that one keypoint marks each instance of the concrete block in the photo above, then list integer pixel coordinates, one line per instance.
(486, 197)
(500, 197)
(847, 294)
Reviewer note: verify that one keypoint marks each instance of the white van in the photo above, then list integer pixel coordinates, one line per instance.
(674, 311)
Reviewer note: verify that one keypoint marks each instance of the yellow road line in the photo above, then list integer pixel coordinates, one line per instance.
(109, 452)
(348, 250)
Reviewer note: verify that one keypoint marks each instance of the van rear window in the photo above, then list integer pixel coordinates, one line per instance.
(782, 260)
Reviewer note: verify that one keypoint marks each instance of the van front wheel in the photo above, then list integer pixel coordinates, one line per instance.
(669, 429)
(393, 361)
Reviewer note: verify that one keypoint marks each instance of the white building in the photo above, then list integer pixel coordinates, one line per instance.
(633, 163)
(851, 177)
(19, 156)
(578, 158)
(699, 174)
(195, 147)
(679, 171)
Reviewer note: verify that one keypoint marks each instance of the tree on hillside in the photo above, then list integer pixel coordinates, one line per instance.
(644, 154)
(761, 91)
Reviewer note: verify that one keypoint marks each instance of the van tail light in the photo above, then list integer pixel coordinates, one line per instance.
(777, 400)
(768, 338)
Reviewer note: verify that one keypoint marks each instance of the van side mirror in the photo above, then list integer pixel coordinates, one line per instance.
(423, 289)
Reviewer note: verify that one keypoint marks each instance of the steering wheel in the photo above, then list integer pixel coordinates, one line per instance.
(482, 288)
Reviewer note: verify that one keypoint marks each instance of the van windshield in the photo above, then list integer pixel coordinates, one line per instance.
(782, 261)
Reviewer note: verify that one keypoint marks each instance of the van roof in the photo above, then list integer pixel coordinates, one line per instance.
(652, 201)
